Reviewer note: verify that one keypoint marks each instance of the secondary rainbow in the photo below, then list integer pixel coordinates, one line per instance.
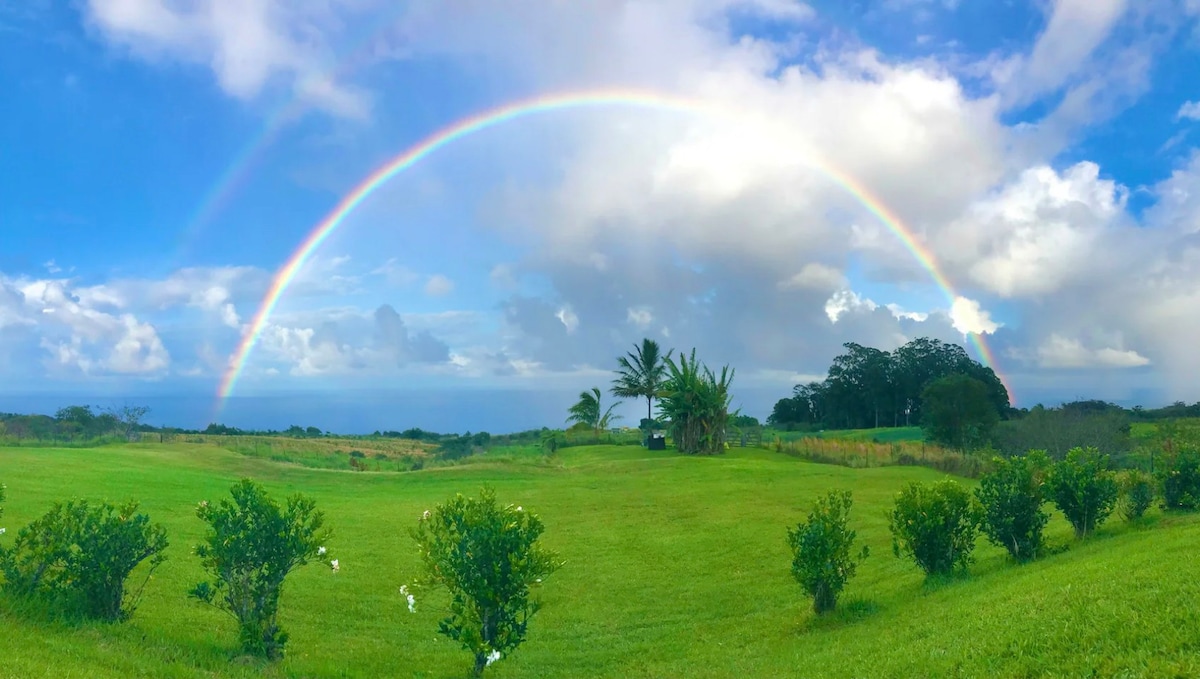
(546, 104)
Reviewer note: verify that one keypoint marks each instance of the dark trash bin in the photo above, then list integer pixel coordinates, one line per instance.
(656, 442)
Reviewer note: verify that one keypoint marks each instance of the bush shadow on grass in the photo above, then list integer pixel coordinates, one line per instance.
(848, 612)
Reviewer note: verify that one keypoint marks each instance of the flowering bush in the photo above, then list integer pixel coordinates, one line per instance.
(81, 555)
(1179, 477)
(251, 546)
(1137, 490)
(1084, 489)
(821, 558)
(935, 524)
(488, 557)
(1012, 495)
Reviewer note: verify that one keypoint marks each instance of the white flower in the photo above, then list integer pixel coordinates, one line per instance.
(335, 565)
(519, 508)
(425, 515)
(3, 531)
(412, 601)
(320, 551)
(493, 657)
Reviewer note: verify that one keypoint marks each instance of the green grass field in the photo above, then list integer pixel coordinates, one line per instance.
(881, 435)
(675, 567)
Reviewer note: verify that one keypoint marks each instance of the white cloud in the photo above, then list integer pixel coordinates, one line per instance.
(82, 338)
(1063, 352)
(568, 318)
(1043, 231)
(640, 317)
(1190, 110)
(1073, 32)
(846, 300)
(246, 43)
(439, 286)
(968, 317)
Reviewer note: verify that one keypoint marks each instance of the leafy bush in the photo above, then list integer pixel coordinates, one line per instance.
(1137, 490)
(935, 524)
(81, 555)
(1012, 495)
(251, 546)
(821, 558)
(488, 557)
(1179, 477)
(1083, 488)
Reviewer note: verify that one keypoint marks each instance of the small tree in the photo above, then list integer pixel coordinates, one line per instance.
(696, 402)
(1083, 488)
(1179, 478)
(935, 525)
(957, 411)
(1012, 495)
(489, 559)
(821, 558)
(83, 554)
(1137, 490)
(251, 546)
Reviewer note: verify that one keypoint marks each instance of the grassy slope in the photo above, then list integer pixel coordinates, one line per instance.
(675, 567)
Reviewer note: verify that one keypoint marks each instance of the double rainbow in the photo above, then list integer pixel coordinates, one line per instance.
(548, 104)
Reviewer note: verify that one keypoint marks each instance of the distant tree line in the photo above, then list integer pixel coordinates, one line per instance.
(867, 388)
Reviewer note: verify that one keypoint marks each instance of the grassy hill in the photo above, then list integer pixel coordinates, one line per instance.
(676, 567)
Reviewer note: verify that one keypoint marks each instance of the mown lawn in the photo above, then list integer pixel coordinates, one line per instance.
(675, 567)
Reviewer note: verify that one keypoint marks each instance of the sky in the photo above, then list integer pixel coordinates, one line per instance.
(163, 160)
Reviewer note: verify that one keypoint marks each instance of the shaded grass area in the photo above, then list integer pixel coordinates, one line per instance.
(676, 566)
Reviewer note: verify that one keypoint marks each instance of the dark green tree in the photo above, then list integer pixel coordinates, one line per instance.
(958, 412)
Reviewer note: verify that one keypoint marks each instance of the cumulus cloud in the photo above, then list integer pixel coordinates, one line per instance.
(79, 338)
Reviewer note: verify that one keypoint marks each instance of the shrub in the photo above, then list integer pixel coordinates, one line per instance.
(821, 558)
(1083, 488)
(81, 556)
(250, 547)
(935, 525)
(1012, 495)
(488, 557)
(1137, 490)
(1179, 477)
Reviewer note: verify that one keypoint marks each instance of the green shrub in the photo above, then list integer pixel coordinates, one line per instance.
(489, 559)
(1179, 478)
(821, 558)
(1083, 488)
(1012, 495)
(935, 525)
(250, 547)
(1137, 490)
(81, 555)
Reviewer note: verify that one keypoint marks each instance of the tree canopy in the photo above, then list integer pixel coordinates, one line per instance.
(867, 387)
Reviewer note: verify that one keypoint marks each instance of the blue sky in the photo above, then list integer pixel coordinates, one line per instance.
(1044, 152)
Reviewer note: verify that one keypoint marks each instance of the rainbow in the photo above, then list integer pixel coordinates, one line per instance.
(547, 104)
(234, 177)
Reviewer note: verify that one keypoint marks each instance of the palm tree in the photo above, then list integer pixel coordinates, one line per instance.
(642, 374)
(589, 411)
